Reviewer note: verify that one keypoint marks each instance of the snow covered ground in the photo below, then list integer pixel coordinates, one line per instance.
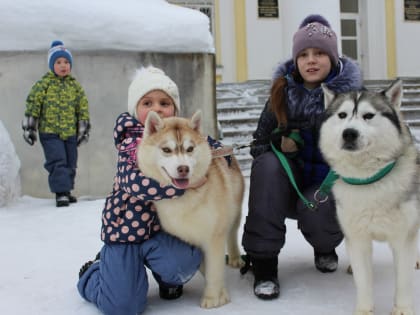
(43, 248)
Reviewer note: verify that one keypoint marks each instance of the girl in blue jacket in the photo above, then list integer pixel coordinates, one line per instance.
(116, 281)
(291, 121)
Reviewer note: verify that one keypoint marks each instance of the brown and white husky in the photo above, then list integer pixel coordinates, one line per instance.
(173, 151)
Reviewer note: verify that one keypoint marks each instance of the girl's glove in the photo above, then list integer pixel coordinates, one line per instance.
(276, 137)
(286, 141)
(83, 128)
(288, 145)
(29, 126)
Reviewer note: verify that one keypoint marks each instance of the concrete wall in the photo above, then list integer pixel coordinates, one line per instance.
(227, 38)
(373, 39)
(407, 34)
(105, 77)
(264, 42)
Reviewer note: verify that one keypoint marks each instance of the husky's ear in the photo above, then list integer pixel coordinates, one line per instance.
(153, 124)
(328, 95)
(394, 93)
(195, 122)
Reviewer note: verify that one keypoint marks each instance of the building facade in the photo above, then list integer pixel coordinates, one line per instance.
(253, 36)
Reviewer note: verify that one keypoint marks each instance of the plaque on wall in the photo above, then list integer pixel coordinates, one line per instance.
(412, 10)
(268, 9)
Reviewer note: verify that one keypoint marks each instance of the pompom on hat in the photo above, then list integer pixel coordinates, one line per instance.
(56, 51)
(315, 32)
(149, 79)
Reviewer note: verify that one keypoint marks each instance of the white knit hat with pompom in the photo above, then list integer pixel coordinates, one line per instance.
(148, 79)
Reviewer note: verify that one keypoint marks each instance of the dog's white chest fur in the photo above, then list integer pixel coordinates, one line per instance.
(374, 214)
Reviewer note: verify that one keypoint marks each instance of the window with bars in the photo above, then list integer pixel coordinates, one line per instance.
(350, 29)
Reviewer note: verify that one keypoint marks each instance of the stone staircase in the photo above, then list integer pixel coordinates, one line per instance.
(239, 106)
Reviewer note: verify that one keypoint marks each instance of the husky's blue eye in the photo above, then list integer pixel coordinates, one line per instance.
(166, 150)
(368, 116)
(342, 115)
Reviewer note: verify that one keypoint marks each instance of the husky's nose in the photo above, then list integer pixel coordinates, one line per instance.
(350, 136)
(183, 170)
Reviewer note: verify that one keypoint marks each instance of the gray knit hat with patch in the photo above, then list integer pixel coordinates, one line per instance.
(315, 32)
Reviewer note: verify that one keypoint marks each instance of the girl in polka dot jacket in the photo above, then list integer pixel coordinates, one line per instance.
(116, 281)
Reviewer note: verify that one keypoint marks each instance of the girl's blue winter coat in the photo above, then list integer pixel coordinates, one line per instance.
(129, 214)
(305, 109)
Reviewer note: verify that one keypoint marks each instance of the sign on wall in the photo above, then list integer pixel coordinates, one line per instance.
(268, 9)
(412, 10)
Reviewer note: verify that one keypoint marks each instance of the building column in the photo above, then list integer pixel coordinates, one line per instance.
(390, 39)
(240, 41)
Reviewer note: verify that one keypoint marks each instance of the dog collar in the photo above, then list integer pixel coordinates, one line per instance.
(369, 180)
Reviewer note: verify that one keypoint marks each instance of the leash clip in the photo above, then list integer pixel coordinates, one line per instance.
(318, 193)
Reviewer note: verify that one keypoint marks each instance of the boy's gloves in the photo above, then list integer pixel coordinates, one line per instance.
(83, 128)
(29, 126)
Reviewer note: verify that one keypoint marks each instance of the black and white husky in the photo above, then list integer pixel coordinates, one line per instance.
(367, 144)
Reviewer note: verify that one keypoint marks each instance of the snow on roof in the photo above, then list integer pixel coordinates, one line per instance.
(132, 25)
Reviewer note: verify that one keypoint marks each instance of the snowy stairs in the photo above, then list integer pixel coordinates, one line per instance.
(411, 99)
(239, 106)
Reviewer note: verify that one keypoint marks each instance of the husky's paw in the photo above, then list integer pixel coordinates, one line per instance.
(235, 262)
(402, 311)
(215, 300)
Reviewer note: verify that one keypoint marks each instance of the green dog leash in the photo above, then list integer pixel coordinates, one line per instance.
(322, 192)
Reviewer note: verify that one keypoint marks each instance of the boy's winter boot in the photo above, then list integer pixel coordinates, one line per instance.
(72, 199)
(326, 262)
(62, 200)
(266, 283)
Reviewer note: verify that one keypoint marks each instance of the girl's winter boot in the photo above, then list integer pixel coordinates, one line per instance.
(266, 283)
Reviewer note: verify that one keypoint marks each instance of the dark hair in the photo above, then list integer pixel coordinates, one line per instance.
(278, 104)
(278, 97)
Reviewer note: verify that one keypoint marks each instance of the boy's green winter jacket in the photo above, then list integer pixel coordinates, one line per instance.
(58, 103)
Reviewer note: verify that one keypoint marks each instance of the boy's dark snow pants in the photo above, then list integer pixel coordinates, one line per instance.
(60, 161)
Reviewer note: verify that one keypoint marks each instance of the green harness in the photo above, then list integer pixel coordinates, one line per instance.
(321, 194)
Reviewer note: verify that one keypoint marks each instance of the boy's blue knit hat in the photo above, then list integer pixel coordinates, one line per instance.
(56, 51)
